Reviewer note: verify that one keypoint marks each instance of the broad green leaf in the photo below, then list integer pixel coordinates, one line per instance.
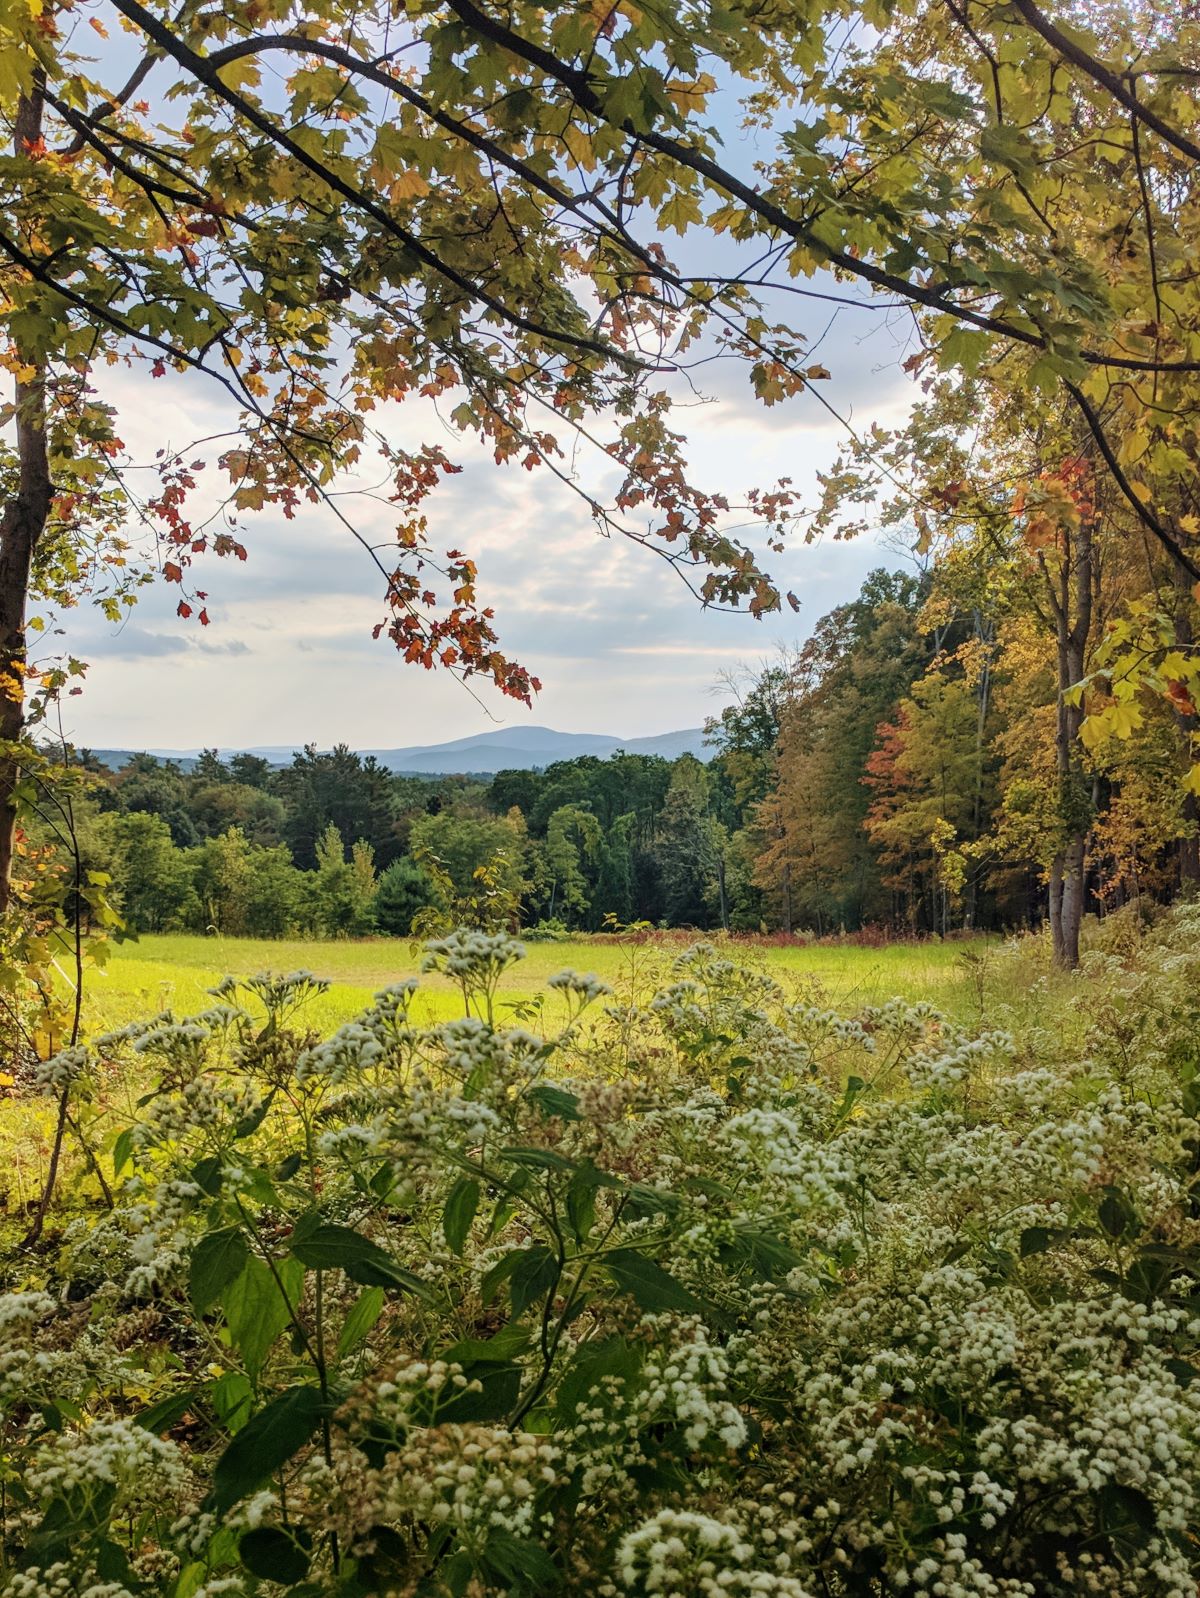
(216, 1260)
(461, 1204)
(328, 1247)
(364, 1313)
(268, 1440)
(276, 1555)
(648, 1284)
(257, 1307)
(160, 1417)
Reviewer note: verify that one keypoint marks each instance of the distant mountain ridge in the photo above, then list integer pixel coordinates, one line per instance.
(484, 753)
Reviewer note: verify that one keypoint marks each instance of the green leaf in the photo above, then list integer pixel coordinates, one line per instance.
(509, 1343)
(648, 1284)
(365, 1311)
(160, 1417)
(233, 1398)
(269, 1552)
(461, 1204)
(256, 1311)
(524, 1565)
(498, 1391)
(553, 1100)
(216, 1260)
(531, 1270)
(327, 1247)
(533, 1277)
(208, 1175)
(265, 1442)
(1124, 1507)
(613, 1358)
(1115, 1213)
(122, 1150)
(538, 1159)
(251, 1123)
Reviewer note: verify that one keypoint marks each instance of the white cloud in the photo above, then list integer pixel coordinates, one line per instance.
(620, 645)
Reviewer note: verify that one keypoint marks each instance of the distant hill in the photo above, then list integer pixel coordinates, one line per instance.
(484, 753)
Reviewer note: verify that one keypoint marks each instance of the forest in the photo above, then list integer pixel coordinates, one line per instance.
(894, 772)
(768, 1176)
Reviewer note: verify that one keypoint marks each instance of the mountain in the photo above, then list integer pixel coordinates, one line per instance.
(517, 748)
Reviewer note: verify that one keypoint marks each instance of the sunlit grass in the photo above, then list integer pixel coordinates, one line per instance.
(176, 971)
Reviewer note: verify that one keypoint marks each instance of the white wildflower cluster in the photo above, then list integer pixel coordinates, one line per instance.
(179, 1044)
(62, 1070)
(471, 955)
(202, 1104)
(683, 1382)
(59, 1580)
(471, 1479)
(361, 1046)
(487, 1062)
(687, 1381)
(142, 1468)
(944, 1070)
(580, 988)
(352, 1051)
(159, 1237)
(47, 1358)
(432, 1119)
(27, 1373)
(20, 1313)
(796, 1170)
(934, 1336)
(679, 1008)
(681, 1553)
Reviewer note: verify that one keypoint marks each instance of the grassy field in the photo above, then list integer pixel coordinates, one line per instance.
(966, 979)
(174, 972)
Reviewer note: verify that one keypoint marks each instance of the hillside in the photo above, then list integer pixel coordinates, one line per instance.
(508, 748)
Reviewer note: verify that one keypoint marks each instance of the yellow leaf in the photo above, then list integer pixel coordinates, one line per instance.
(1141, 491)
(243, 74)
(579, 147)
(1177, 666)
(408, 185)
(1192, 781)
(1124, 719)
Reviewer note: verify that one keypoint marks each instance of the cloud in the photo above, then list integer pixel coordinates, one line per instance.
(620, 644)
(135, 643)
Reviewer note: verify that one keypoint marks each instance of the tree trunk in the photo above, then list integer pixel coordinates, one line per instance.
(1072, 901)
(22, 522)
(1055, 908)
(1070, 594)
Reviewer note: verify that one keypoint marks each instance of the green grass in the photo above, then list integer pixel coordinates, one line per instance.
(174, 972)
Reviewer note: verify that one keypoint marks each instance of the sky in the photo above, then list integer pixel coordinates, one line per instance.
(619, 644)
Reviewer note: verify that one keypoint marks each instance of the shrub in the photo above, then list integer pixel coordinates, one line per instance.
(404, 891)
(708, 1294)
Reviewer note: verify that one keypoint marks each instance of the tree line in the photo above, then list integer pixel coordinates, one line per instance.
(336, 845)
(931, 759)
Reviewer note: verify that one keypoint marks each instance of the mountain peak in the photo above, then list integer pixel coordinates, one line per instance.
(518, 748)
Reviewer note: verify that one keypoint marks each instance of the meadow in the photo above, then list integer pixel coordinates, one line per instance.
(176, 971)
